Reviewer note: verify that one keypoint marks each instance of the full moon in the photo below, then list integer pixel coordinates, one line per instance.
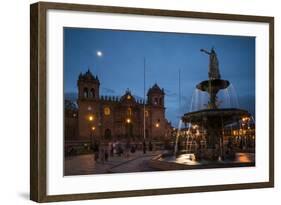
(99, 53)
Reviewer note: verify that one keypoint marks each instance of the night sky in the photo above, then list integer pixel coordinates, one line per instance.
(122, 62)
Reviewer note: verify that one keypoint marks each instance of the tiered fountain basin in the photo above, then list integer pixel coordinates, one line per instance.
(215, 84)
(222, 115)
(208, 119)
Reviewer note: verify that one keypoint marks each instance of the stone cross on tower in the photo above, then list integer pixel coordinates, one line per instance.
(214, 72)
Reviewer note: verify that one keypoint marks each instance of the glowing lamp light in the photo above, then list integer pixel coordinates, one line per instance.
(93, 128)
(157, 125)
(91, 118)
(128, 120)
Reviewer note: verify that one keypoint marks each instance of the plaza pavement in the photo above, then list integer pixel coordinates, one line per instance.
(85, 164)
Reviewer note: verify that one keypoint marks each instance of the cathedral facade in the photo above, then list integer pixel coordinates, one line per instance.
(111, 117)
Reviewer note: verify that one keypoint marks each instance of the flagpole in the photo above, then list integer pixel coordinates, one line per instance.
(144, 101)
(179, 91)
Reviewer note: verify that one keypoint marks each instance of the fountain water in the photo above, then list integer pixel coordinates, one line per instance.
(177, 137)
(215, 116)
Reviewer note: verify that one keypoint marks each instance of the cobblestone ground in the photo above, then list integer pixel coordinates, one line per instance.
(85, 164)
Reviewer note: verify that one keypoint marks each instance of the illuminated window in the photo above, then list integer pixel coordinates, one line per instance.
(146, 113)
(106, 111)
(128, 97)
(129, 111)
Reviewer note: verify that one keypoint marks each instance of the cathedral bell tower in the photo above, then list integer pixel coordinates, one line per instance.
(88, 103)
(88, 86)
(155, 102)
(155, 96)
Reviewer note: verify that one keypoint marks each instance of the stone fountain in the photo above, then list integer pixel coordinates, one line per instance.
(213, 119)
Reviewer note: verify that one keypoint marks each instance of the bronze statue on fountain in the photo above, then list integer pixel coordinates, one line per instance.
(213, 119)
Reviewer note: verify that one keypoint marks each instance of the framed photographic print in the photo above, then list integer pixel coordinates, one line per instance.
(134, 102)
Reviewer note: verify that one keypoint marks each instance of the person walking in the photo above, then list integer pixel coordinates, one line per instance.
(127, 149)
(150, 146)
(96, 151)
(144, 147)
(110, 149)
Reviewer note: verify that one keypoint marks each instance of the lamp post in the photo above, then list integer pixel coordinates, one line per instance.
(92, 128)
(128, 122)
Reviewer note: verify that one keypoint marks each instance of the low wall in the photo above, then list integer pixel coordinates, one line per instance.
(161, 165)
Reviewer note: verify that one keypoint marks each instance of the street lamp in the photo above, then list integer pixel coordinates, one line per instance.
(128, 120)
(91, 118)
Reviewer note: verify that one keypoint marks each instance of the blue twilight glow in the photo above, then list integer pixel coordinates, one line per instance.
(117, 57)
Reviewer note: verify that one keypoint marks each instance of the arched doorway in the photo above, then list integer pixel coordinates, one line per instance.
(129, 130)
(107, 134)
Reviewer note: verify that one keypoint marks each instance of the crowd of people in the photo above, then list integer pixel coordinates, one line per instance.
(104, 151)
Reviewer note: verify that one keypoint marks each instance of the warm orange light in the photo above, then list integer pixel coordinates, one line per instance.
(146, 113)
(106, 111)
(93, 128)
(194, 126)
(91, 118)
(128, 97)
(128, 120)
(157, 125)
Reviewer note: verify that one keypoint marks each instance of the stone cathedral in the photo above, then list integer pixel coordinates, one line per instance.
(112, 117)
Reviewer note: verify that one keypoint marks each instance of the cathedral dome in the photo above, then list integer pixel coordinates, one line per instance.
(128, 97)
